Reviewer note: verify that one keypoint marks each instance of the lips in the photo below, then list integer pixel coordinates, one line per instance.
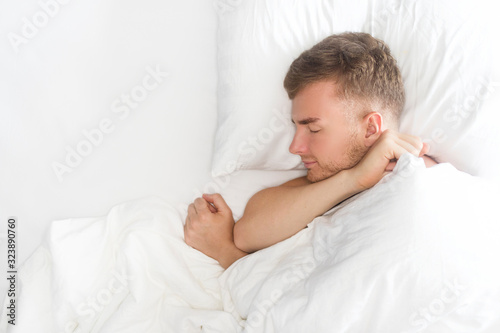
(309, 164)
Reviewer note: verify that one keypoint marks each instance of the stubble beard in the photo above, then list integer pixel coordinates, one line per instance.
(354, 154)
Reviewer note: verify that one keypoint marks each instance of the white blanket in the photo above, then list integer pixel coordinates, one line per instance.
(416, 253)
(419, 252)
(130, 271)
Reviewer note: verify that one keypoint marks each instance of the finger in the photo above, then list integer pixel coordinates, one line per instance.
(400, 146)
(425, 149)
(201, 205)
(211, 202)
(390, 166)
(395, 144)
(411, 144)
(217, 200)
(208, 197)
(187, 225)
(192, 210)
(186, 234)
(212, 207)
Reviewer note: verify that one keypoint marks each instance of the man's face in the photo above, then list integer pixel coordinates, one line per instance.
(324, 138)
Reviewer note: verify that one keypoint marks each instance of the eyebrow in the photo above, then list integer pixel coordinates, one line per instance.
(307, 120)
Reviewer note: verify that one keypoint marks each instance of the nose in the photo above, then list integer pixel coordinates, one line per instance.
(298, 145)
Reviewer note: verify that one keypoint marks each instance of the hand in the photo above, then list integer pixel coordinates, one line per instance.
(382, 155)
(209, 229)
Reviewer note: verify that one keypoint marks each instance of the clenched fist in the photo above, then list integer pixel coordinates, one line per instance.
(209, 229)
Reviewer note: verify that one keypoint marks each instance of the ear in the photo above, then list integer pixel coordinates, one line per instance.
(372, 127)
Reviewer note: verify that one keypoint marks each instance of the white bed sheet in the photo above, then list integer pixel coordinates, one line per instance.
(69, 75)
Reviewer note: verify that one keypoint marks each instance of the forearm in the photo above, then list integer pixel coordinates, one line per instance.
(229, 256)
(276, 213)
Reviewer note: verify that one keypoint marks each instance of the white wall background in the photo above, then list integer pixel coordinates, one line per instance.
(62, 68)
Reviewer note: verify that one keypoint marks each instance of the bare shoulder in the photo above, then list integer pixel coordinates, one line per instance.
(269, 195)
(291, 183)
(297, 182)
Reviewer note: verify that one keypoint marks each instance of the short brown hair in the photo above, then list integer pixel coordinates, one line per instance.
(362, 67)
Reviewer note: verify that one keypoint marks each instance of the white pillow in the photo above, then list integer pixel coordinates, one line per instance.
(444, 53)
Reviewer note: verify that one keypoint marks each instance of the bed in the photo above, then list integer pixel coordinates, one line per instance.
(115, 116)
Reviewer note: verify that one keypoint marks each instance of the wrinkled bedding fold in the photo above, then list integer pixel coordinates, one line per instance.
(416, 253)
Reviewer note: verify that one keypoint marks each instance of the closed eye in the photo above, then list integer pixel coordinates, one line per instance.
(314, 131)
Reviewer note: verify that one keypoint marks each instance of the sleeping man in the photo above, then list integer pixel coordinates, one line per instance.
(347, 94)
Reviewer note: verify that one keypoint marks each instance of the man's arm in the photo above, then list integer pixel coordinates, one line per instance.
(276, 213)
